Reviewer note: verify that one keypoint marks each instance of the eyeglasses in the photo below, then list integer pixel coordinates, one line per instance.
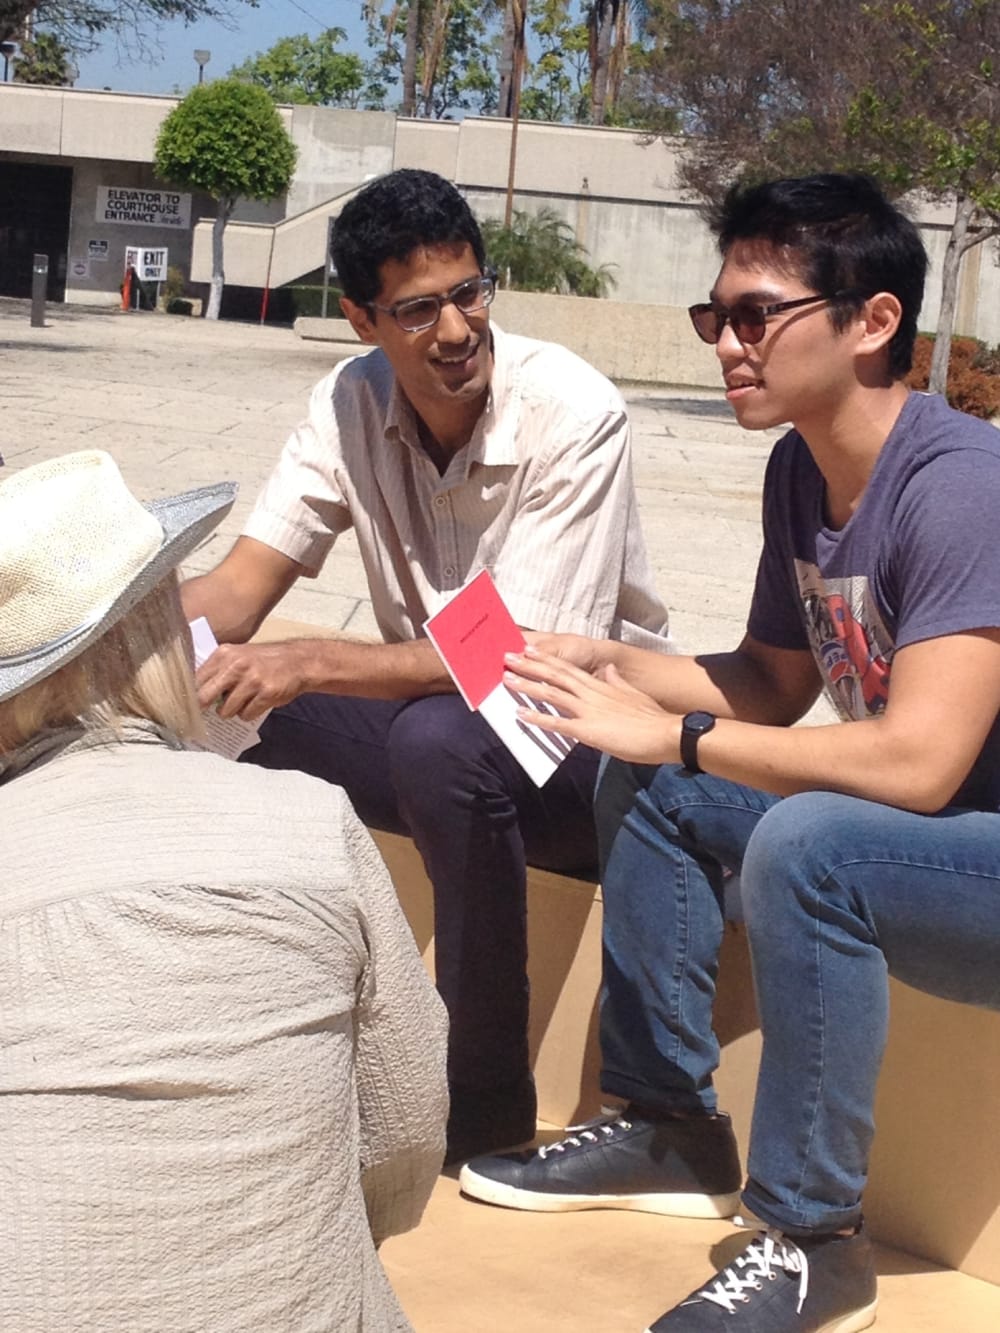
(423, 312)
(747, 318)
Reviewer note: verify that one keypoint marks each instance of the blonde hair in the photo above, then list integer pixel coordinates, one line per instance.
(142, 667)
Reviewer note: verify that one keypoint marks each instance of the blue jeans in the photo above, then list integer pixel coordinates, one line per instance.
(434, 770)
(838, 894)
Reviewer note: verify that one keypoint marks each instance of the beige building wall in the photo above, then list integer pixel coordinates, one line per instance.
(618, 195)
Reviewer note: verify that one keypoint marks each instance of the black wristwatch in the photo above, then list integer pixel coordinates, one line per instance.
(694, 726)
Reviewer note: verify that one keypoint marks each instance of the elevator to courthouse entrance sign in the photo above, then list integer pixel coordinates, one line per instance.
(143, 208)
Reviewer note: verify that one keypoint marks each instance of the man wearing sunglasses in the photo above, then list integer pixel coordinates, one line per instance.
(864, 847)
(450, 448)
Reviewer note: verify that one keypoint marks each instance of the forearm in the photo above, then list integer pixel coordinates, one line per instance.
(730, 685)
(232, 618)
(870, 759)
(372, 670)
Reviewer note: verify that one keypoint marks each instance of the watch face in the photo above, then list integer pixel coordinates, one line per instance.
(699, 723)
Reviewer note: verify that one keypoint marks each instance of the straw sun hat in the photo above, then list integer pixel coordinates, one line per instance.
(78, 551)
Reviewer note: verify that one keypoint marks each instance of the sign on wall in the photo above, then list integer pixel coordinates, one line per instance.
(98, 250)
(151, 265)
(143, 208)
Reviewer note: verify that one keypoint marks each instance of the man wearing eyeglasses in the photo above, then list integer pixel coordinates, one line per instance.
(864, 847)
(450, 448)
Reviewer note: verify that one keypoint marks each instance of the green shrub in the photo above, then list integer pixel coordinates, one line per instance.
(177, 305)
(173, 286)
(973, 374)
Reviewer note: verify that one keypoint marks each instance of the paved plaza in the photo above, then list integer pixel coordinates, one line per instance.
(182, 402)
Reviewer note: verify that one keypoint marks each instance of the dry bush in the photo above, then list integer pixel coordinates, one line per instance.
(973, 374)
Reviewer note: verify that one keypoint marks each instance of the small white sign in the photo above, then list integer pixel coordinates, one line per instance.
(151, 265)
(98, 250)
(144, 208)
(80, 268)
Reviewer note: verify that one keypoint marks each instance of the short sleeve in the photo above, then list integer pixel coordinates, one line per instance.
(946, 561)
(302, 508)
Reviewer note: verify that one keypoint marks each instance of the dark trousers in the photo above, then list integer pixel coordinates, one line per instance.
(432, 769)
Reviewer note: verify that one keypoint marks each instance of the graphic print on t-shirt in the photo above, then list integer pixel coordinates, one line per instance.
(851, 645)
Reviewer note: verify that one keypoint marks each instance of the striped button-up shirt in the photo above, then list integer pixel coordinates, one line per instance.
(542, 496)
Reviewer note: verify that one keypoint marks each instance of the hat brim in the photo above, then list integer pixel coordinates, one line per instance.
(186, 520)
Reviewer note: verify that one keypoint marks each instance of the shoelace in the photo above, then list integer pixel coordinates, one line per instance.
(769, 1251)
(589, 1132)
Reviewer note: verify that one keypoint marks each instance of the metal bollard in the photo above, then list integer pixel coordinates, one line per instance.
(39, 282)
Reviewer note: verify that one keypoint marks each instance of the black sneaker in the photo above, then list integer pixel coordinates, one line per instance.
(679, 1167)
(780, 1285)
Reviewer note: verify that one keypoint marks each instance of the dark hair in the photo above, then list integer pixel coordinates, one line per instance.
(392, 217)
(844, 235)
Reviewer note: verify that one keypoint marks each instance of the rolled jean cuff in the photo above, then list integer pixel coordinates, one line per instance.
(658, 1099)
(818, 1221)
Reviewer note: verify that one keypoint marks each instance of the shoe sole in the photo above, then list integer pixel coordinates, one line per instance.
(854, 1322)
(535, 1201)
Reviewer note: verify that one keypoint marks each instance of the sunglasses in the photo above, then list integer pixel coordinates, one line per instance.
(423, 312)
(748, 319)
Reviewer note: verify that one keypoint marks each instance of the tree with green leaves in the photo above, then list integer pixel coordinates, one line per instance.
(906, 91)
(945, 141)
(557, 87)
(311, 71)
(227, 139)
(539, 253)
(80, 24)
(439, 51)
(44, 60)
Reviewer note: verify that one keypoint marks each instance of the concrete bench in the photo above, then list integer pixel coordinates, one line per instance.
(935, 1178)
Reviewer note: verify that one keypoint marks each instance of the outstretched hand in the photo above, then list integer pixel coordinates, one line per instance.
(601, 710)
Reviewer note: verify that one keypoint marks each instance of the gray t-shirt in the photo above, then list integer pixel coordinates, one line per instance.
(918, 559)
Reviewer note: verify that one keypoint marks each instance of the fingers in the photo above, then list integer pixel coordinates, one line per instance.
(540, 664)
(231, 680)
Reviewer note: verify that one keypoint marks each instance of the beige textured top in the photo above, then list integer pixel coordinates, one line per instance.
(221, 1060)
(541, 496)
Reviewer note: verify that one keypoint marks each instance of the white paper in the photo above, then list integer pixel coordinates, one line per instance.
(228, 736)
(538, 752)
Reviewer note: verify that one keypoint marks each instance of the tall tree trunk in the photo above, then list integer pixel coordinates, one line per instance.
(618, 57)
(505, 102)
(411, 45)
(433, 51)
(227, 203)
(604, 17)
(958, 243)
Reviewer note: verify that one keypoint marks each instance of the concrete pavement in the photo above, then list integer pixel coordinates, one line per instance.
(182, 402)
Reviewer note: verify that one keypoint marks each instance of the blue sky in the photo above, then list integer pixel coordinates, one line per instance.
(170, 65)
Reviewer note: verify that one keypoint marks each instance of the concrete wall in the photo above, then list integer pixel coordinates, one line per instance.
(100, 284)
(619, 196)
(338, 150)
(628, 342)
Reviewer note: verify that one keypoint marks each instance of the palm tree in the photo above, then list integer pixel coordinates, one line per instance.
(609, 23)
(539, 253)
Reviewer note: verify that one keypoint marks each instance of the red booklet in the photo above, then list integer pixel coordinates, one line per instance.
(472, 633)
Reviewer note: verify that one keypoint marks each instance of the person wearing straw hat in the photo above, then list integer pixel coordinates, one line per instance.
(221, 1061)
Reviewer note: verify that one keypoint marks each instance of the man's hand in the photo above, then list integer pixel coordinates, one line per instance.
(603, 711)
(248, 679)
